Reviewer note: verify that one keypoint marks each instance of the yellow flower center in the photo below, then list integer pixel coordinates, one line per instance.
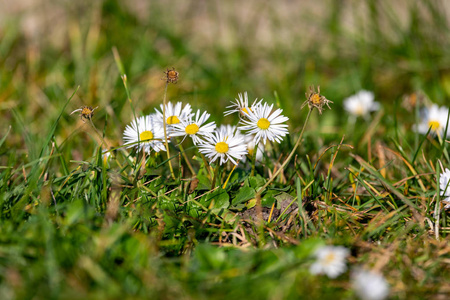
(86, 111)
(359, 110)
(173, 120)
(244, 109)
(222, 147)
(434, 125)
(191, 129)
(146, 135)
(263, 123)
(315, 99)
(330, 258)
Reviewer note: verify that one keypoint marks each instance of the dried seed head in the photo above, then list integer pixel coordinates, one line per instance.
(86, 112)
(315, 99)
(171, 76)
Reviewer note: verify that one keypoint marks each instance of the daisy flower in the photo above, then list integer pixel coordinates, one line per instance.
(145, 134)
(369, 285)
(444, 184)
(265, 124)
(194, 127)
(241, 105)
(225, 146)
(174, 114)
(248, 139)
(331, 260)
(361, 104)
(435, 118)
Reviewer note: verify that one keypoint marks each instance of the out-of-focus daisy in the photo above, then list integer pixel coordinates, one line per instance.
(144, 133)
(250, 142)
(106, 154)
(369, 285)
(444, 184)
(435, 118)
(225, 146)
(330, 260)
(194, 126)
(361, 104)
(241, 105)
(174, 114)
(264, 124)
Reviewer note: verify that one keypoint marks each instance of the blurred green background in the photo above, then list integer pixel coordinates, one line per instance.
(274, 50)
(48, 48)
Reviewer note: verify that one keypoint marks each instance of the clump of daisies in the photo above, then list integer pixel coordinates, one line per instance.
(259, 123)
(444, 184)
(435, 119)
(369, 285)
(330, 260)
(361, 104)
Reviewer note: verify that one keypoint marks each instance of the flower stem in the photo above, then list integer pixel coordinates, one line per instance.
(216, 172)
(229, 175)
(166, 143)
(188, 163)
(258, 194)
(254, 159)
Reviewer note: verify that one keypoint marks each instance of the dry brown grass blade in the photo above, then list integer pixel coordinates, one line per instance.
(391, 188)
(410, 167)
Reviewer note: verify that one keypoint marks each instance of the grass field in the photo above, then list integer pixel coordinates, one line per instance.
(78, 224)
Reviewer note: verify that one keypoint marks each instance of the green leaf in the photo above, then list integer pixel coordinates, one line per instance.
(256, 181)
(269, 198)
(246, 193)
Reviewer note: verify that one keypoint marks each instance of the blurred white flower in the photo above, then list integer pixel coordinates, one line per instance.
(361, 104)
(241, 105)
(106, 154)
(195, 127)
(330, 260)
(444, 184)
(144, 133)
(369, 285)
(435, 118)
(225, 146)
(250, 142)
(265, 124)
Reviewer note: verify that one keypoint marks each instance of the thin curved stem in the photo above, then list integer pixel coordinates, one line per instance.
(258, 194)
(166, 143)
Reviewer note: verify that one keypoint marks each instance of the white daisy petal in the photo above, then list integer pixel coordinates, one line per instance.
(194, 127)
(144, 134)
(444, 184)
(241, 105)
(264, 124)
(221, 144)
(174, 115)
